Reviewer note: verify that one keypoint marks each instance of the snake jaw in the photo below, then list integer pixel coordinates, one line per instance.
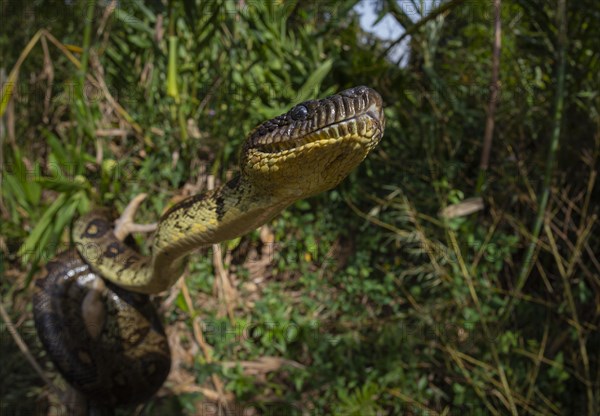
(315, 145)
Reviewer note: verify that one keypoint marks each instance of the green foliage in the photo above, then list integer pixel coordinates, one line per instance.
(372, 302)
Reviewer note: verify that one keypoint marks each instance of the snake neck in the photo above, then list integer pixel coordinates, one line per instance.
(228, 212)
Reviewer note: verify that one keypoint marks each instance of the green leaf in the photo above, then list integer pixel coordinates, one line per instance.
(62, 185)
(34, 244)
(66, 215)
(133, 22)
(58, 150)
(12, 190)
(311, 86)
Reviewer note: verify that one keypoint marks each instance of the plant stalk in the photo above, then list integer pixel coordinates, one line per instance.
(550, 160)
(491, 110)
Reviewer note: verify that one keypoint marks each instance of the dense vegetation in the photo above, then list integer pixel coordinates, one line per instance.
(364, 300)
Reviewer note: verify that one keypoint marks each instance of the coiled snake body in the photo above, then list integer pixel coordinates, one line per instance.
(120, 354)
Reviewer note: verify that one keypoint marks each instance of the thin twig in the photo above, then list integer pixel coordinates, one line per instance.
(499, 367)
(537, 359)
(25, 350)
(49, 75)
(377, 221)
(494, 87)
(565, 275)
(551, 158)
(407, 399)
(199, 337)
(9, 86)
(222, 274)
(87, 36)
(412, 29)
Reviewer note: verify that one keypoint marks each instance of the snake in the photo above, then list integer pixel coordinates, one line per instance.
(93, 309)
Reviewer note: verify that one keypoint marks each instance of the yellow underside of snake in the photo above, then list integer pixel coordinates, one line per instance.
(303, 152)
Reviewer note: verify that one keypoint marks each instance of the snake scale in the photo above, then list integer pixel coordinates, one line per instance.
(92, 309)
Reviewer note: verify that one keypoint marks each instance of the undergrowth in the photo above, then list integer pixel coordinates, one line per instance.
(365, 300)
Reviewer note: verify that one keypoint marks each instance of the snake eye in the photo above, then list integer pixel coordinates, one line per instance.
(299, 112)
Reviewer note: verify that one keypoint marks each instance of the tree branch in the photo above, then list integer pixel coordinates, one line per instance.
(413, 28)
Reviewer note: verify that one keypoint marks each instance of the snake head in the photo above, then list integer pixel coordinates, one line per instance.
(315, 145)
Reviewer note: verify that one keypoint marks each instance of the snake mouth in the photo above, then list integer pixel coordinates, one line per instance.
(363, 129)
(354, 115)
